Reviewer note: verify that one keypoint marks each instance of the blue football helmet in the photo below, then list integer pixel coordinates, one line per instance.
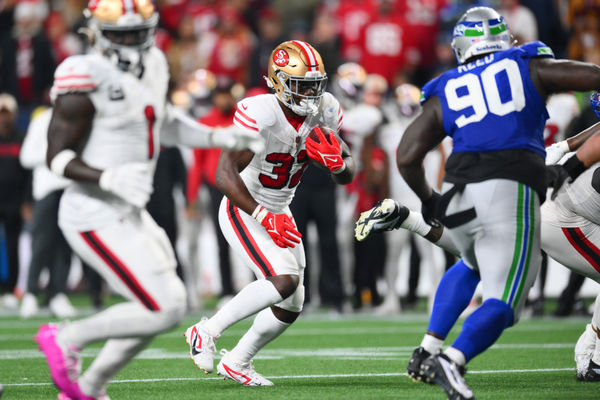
(480, 30)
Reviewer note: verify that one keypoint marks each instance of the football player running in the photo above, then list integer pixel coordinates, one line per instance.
(254, 214)
(570, 229)
(492, 105)
(110, 117)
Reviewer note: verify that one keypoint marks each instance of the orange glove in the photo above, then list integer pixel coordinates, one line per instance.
(280, 227)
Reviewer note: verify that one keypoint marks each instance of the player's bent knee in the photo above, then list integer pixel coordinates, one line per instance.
(286, 285)
(173, 304)
(503, 311)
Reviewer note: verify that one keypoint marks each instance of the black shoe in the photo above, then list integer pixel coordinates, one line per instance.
(448, 375)
(414, 364)
(592, 374)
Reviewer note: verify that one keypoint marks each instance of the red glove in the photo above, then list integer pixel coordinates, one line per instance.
(280, 227)
(327, 153)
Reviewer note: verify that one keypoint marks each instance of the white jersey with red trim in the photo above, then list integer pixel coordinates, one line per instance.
(273, 175)
(129, 113)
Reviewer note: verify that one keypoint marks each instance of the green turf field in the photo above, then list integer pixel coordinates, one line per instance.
(321, 357)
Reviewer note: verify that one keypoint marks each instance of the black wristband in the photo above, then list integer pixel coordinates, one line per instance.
(574, 167)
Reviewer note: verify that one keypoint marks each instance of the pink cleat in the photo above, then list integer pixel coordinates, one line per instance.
(64, 362)
(64, 396)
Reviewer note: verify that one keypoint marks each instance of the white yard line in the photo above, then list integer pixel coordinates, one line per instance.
(340, 353)
(329, 376)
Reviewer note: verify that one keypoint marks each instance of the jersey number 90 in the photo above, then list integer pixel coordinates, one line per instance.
(480, 92)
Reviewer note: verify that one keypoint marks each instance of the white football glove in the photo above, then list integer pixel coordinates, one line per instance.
(556, 151)
(132, 182)
(235, 138)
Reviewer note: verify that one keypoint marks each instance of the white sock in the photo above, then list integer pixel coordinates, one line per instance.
(455, 355)
(256, 296)
(115, 354)
(432, 344)
(415, 223)
(596, 328)
(596, 315)
(265, 328)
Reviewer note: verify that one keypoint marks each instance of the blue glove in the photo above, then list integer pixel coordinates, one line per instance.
(595, 102)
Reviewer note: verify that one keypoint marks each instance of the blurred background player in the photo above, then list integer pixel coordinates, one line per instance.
(255, 216)
(400, 112)
(49, 249)
(224, 95)
(110, 118)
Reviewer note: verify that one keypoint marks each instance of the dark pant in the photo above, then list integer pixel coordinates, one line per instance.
(224, 261)
(369, 260)
(318, 204)
(49, 247)
(10, 229)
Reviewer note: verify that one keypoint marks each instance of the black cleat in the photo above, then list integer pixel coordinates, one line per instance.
(592, 374)
(448, 375)
(385, 216)
(414, 364)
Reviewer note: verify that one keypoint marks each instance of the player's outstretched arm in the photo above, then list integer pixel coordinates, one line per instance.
(555, 76)
(179, 128)
(556, 151)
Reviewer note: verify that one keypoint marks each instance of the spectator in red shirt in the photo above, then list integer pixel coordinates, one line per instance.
(385, 41)
(229, 46)
(422, 28)
(352, 16)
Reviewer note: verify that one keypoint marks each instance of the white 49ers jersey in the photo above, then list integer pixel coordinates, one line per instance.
(129, 112)
(273, 175)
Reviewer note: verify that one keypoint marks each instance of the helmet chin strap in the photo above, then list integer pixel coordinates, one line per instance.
(128, 61)
(305, 107)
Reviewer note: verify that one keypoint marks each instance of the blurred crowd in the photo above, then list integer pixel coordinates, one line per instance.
(377, 54)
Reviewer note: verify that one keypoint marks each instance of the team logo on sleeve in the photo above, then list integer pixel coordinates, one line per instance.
(281, 58)
(115, 92)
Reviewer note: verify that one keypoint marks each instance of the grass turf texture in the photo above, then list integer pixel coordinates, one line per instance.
(320, 357)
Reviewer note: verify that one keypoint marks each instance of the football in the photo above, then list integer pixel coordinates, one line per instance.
(314, 136)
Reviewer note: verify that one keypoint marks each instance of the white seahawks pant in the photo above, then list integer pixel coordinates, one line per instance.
(254, 246)
(571, 240)
(503, 241)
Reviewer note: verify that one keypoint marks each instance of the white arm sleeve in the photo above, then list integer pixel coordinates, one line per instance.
(179, 128)
(33, 151)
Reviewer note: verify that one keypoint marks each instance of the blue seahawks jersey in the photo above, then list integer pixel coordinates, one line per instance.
(491, 103)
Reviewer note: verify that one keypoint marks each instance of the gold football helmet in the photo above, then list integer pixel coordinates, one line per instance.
(122, 30)
(407, 98)
(297, 76)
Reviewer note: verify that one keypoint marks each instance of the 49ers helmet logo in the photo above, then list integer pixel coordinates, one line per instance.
(281, 58)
